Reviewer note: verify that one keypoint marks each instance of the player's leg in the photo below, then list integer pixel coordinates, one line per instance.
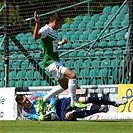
(72, 86)
(84, 113)
(100, 100)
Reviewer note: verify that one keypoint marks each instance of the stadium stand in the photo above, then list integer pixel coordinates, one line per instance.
(103, 63)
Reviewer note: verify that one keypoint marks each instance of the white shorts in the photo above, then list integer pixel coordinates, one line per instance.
(57, 70)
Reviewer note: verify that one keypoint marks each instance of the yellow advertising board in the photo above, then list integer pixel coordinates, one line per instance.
(126, 90)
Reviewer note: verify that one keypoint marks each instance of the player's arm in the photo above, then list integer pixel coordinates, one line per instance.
(63, 41)
(36, 33)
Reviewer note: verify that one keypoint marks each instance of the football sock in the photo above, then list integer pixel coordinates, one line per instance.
(84, 113)
(99, 100)
(72, 89)
(55, 91)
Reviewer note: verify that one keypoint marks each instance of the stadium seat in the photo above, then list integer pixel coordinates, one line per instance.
(117, 52)
(67, 46)
(126, 16)
(27, 83)
(120, 16)
(78, 18)
(107, 10)
(36, 83)
(20, 35)
(2, 65)
(90, 25)
(108, 52)
(82, 82)
(86, 18)
(31, 40)
(115, 9)
(83, 38)
(84, 73)
(29, 74)
(95, 17)
(74, 26)
(78, 32)
(119, 36)
(87, 32)
(11, 83)
(116, 23)
(105, 63)
(74, 38)
(73, 54)
(91, 37)
(111, 44)
(76, 44)
(24, 40)
(121, 43)
(27, 47)
(28, 35)
(65, 26)
(103, 17)
(102, 44)
(2, 75)
(99, 24)
(19, 83)
(124, 9)
(16, 64)
(70, 33)
(124, 23)
(2, 83)
(44, 83)
(99, 52)
(95, 62)
(37, 75)
(78, 64)
(2, 48)
(33, 47)
(20, 74)
(12, 74)
(61, 34)
(82, 25)
(81, 53)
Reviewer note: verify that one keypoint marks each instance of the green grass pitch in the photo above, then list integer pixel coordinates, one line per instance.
(23, 126)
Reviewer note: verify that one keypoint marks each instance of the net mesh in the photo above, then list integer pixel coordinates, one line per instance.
(99, 48)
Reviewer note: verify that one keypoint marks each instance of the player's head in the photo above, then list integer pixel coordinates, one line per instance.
(55, 21)
(23, 101)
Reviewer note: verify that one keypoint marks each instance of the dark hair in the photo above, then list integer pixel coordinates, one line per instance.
(19, 97)
(56, 16)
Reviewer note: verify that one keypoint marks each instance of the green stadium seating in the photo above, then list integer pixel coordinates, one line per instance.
(20, 35)
(95, 17)
(107, 10)
(44, 83)
(82, 25)
(19, 83)
(36, 83)
(74, 26)
(11, 83)
(27, 83)
(86, 18)
(65, 26)
(115, 9)
(78, 18)
(12, 74)
(1, 83)
(124, 9)
(90, 25)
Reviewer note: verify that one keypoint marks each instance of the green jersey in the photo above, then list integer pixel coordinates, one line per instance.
(50, 48)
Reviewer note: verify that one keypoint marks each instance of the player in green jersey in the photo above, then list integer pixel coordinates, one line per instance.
(65, 77)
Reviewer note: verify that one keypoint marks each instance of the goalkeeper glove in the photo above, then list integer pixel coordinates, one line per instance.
(46, 117)
(49, 106)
